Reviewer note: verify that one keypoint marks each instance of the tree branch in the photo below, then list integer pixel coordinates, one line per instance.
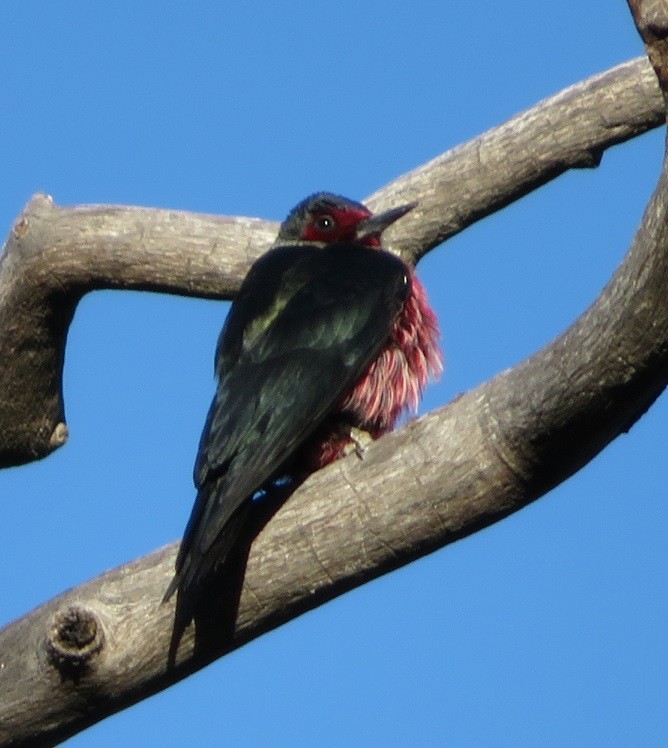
(53, 255)
(93, 650)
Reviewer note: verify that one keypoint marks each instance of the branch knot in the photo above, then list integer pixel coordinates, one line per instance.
(75, 637)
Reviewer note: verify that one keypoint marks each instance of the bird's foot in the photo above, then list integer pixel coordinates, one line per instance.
(359, 440)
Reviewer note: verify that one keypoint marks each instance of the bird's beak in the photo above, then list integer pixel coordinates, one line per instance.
(375, 225)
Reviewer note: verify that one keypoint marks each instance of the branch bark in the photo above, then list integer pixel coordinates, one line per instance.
(104, 645)
(53, 255)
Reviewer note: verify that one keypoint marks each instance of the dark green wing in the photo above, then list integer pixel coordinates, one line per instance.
(306, 323)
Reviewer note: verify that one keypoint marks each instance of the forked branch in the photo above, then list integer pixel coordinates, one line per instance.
(104, 645)
(53, 255)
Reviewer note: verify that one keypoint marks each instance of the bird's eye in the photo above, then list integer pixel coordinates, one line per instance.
(325, 223)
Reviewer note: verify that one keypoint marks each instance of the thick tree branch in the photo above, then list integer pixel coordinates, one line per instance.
(442, 477)
(53, 255)
(104, 645)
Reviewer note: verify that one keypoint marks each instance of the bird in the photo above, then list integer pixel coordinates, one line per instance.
(329, 340)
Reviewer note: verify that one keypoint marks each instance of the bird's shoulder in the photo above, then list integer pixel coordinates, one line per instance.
(299, 287)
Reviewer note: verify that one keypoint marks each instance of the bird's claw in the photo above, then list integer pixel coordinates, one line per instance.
(360, 440)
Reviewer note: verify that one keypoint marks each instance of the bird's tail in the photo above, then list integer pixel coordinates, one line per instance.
(173, 586)
(195, 567)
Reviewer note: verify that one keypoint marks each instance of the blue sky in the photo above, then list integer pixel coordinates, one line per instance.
(548, 627)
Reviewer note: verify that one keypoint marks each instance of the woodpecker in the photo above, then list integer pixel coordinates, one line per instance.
(329, 338)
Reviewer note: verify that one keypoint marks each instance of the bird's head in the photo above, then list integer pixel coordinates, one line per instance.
(325, 218)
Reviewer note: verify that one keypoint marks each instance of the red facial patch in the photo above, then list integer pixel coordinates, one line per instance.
(336, 225)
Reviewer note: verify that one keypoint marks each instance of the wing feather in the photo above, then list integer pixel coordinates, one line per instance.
(303, 328)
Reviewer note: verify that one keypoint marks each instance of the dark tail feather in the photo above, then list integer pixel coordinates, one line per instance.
(195, 568)
(173, 586)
